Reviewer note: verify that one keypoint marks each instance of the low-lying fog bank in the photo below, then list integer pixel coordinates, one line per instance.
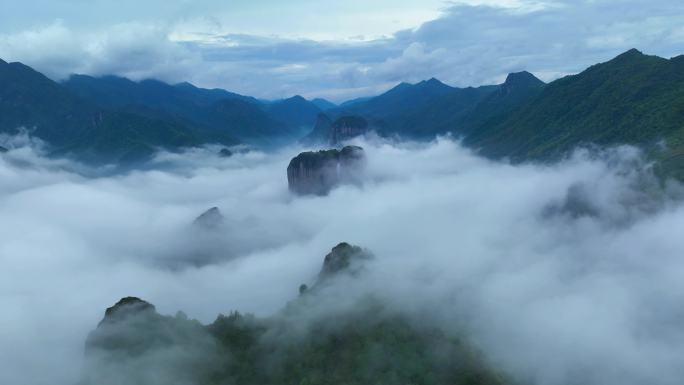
(561, 274)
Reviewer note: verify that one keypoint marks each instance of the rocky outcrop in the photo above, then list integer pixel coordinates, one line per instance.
(316, 173)
(126, 307)
(347, 127)
(136, 345)
(343, 258)
(210, 219)
(520, 82)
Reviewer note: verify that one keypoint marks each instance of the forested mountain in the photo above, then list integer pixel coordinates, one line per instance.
(242, 117)
(73, 125)
(367, 343)
(417, 110)
(632, 99)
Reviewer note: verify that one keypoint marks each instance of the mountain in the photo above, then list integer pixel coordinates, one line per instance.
(317, 173)
(114, 91)
(352, 102)
(346, 128)
(517, 90)
(326, 335)
(297, 112)
(245, 118)
(632, 99)
(247, 121)
(29, 99)
(331, 133)
(323, 104)
(404, 96)
(320, 132)
(72, 125)
(420, 110)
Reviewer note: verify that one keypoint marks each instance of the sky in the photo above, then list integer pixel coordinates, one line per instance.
(583, 276)
(334, 49)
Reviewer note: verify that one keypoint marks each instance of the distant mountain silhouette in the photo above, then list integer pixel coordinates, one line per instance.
(298, 113)
(242, 117)
(419, 110)
(74, 125)
(632, 99)
(323, 104)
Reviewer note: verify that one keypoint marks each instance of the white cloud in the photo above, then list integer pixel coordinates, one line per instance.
(583, 276)
(253, 51)
(133, 50)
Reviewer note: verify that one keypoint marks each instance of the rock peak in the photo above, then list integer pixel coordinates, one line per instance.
(210, 219)
(316, 173)
(341, 258)
(632, 54)
(522, 78)
(127, 307)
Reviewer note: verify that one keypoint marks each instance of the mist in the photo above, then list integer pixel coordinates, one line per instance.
(561, 274)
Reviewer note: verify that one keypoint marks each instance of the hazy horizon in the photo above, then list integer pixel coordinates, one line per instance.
(338, 51)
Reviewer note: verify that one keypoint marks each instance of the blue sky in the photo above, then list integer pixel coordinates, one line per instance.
(333, 49)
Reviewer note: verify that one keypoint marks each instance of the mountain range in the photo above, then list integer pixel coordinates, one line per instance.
(633, 99)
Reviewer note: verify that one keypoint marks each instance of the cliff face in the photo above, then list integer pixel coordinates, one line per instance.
(347, 127)
(334, 133)
(316, 173)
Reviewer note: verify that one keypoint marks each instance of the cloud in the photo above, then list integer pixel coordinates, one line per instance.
(133, 50)
(550, 291)
(468, 43)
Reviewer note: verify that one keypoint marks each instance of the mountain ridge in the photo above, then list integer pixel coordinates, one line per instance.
(632, 99)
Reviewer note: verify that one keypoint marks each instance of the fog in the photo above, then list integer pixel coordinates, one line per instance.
(561, 274)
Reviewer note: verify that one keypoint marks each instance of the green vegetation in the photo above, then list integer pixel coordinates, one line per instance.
(632, 99)
(367, 343)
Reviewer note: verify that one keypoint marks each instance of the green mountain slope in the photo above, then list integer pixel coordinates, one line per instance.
(30, 100)
(429, 108)
(632, 99)
(76, 127)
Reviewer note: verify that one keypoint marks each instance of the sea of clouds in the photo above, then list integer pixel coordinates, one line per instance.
(561, 274)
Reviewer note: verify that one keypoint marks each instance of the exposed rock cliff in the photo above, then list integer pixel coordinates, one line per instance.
(343, 258)
(126, 307)
(334, 133)
(316, 173)
(347, 127)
